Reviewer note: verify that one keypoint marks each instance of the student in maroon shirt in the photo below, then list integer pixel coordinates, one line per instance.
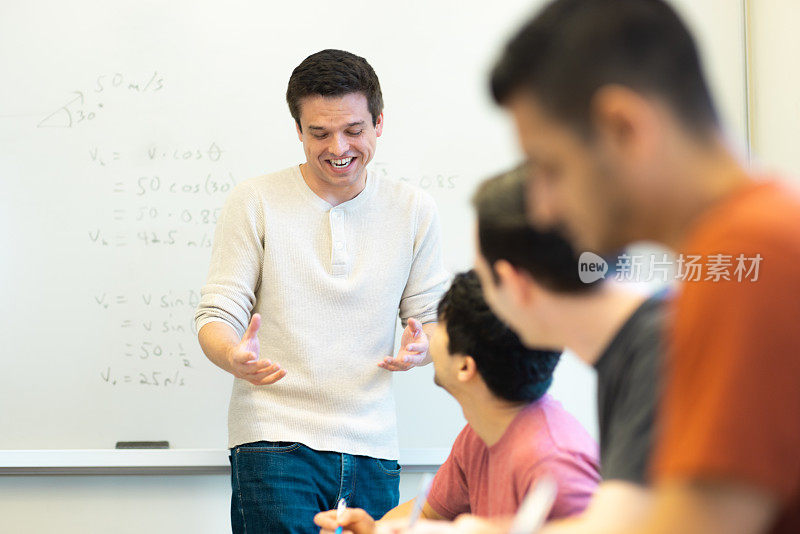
(515, 434)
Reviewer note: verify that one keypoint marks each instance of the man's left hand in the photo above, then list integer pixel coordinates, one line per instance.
(413, 349)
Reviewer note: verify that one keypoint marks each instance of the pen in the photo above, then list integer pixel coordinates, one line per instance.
(340, 508)
(535, 506)
(419, 502)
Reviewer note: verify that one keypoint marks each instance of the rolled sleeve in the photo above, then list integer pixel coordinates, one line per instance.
(236, 263)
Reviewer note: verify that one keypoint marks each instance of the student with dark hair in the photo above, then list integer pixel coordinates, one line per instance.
(531, 279)
(616, 119)
(515, 432)
(311, 417)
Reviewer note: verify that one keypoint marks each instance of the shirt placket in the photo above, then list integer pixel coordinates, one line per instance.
(339, 257)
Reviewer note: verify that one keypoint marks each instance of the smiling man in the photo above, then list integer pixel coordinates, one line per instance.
(327, 253)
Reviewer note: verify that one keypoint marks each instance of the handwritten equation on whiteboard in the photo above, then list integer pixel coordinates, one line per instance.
(177, 208)
(83, 106)
(150, 212)
(160, 215)
(155, 335)
(440, 182)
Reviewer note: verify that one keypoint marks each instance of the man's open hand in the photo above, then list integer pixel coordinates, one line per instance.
(244, 360)
(413, 349)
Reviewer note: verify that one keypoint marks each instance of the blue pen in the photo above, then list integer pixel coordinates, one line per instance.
(340, 508)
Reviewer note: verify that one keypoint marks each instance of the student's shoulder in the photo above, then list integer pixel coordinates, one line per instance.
(468, 448)
(556, 431)
(644, 329)
(468, 441)
(567, 451)
(764, 213)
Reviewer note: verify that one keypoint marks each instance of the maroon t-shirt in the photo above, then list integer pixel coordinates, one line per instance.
(492, 481)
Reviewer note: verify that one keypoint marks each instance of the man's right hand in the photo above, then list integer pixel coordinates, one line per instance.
(244, 362)
(354, 520)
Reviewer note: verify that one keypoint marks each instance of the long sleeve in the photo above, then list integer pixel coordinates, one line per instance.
(428, 279)
(236, 262)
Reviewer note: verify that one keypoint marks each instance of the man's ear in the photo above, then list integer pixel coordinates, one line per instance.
(379, 125)
(520, 287)
(626, 123)
(467, 369)
(299, 131)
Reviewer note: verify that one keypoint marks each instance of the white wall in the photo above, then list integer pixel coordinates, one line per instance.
(775, 85)
(77, 504)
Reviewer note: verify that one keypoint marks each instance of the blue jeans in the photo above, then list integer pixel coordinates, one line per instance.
(278, 487)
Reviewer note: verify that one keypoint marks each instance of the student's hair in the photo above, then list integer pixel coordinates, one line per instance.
(334, 73)
(504, 233)
(574, 47)
(510, 370)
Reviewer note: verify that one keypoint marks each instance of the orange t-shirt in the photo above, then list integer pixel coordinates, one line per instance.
(731, 408)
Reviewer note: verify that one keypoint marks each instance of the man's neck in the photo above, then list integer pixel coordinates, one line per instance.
(489, 416)
(588, 322)
(704, 174)
(332, 194)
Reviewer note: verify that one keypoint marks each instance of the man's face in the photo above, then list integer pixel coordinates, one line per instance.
(442, 360)
(494, 295)
(523, 314)
(572, 184)
(504, 305)
(338, 139)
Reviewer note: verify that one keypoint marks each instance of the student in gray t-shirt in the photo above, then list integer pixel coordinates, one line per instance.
(531, 280)
(627, 382)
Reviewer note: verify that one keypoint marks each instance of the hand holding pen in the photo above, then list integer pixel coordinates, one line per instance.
(345, 520)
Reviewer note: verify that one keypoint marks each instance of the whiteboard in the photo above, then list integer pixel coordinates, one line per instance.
(123, 125)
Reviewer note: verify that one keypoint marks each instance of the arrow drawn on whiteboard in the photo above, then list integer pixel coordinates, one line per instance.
(62, 117)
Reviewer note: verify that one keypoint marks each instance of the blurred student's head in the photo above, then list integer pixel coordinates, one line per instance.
(605, 94)
(518, 264)
(472, 347)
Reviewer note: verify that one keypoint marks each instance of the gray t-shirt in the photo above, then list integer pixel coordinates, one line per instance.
(628, 391)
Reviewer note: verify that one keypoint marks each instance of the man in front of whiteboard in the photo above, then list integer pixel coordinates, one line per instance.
(309, 268)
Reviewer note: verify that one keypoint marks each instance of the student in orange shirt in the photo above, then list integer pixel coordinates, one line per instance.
(624, 142)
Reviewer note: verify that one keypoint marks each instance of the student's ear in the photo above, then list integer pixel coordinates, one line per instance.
(467, 369)
(299, 131)
(626, 123)
(379, 125)
(521, 289)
